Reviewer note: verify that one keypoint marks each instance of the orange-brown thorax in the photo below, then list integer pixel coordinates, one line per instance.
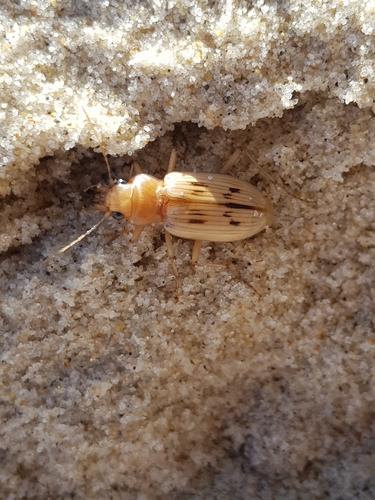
(139, 200)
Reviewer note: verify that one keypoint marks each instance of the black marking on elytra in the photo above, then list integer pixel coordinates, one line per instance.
(200, 184)
(234, 223)
(239, 206)
(228, 196)
(195, 212)
(196, 221)
(234, 190)
(227, 214)
(197, 191)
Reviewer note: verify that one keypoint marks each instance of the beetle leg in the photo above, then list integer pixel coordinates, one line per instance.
(196, 251)
(137, 233)
(230, 162)
(195, 256)
(168, 241)
(135, 167)
(172, 161)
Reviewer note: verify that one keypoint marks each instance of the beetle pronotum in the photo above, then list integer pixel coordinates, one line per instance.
(197, 206)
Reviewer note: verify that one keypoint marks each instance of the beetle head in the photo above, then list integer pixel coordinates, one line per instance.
(114, 199)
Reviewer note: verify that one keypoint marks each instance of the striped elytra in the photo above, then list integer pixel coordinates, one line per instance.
(213, 207)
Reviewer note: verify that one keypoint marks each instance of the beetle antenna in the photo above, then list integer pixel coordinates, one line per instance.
(100, 146)
(80, 238)
(270, 178)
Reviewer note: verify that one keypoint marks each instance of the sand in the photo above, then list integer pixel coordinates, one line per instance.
(254, 380)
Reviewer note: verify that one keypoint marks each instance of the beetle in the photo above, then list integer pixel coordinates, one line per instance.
(198, 206)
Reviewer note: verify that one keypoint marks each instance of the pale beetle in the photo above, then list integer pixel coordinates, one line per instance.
(198, 206)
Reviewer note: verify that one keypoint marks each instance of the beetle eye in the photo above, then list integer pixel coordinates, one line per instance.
(117, 215)
(120, 181)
